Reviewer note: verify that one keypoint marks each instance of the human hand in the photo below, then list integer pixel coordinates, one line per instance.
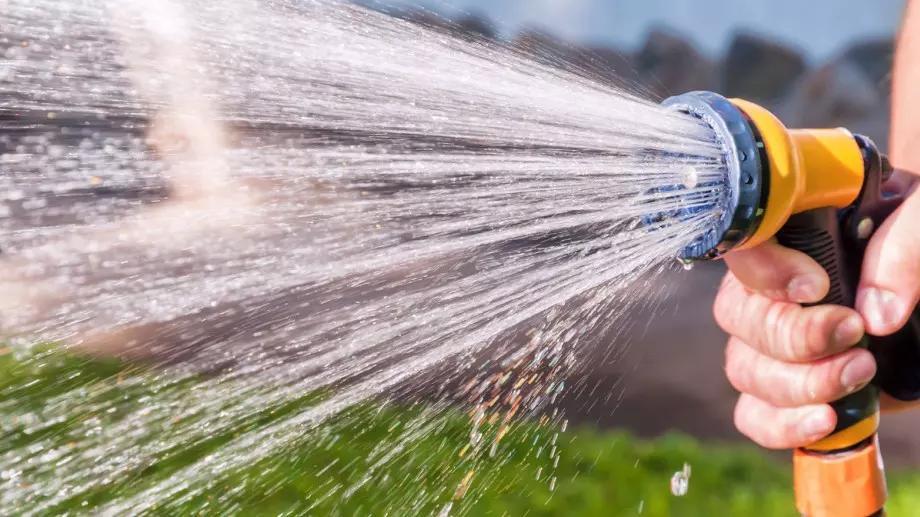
(790, 361)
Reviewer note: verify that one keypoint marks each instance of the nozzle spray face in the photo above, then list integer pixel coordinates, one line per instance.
(745, 180)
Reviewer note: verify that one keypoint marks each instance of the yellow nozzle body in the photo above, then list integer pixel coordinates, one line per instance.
(811, 190)
(808, 168)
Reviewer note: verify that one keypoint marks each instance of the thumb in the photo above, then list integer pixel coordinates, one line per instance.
(890, 285)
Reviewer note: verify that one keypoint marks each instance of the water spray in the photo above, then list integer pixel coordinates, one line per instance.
(518, 186)
(818, 191)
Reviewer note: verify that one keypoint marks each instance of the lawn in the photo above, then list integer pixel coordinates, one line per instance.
(380, 460)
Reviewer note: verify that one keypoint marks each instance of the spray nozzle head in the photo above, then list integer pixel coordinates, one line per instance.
(744, 180)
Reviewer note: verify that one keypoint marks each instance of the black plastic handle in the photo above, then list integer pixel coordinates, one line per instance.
(837, 240)
(820, 234)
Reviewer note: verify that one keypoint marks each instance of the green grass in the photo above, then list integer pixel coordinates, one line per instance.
(392, 460)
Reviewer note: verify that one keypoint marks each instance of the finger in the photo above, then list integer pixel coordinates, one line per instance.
(782, 330)
(899, 183)
(780, 273)
(786, 385)
(782, 428)
(890, 284)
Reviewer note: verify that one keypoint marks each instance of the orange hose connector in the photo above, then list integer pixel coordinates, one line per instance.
(848, 484)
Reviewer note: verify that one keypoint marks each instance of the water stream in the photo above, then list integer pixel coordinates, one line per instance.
(270, 199)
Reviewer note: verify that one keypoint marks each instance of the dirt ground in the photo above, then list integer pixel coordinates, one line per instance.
(672, 377)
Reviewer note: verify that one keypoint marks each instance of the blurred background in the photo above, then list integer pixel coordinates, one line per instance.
(816, 63)
(820, 62)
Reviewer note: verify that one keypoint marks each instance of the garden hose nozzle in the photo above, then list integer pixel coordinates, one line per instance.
(818, 191)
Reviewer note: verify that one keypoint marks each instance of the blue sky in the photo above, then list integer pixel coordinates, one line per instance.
(819, 28)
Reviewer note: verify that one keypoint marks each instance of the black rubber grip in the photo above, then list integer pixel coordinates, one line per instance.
(818, 234)
(898, 360)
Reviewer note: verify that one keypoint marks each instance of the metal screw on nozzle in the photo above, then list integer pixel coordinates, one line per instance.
(865, 228)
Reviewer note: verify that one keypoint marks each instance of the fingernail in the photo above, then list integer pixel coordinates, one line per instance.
(849, 331)
(881, 308)
(816, 425)
(858, 372)
(804, 289)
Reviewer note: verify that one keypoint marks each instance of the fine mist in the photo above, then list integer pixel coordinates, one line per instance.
(272, 199)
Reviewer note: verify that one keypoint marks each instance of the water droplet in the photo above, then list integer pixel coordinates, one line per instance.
(685, 264)
(680, 481)
(691, 177)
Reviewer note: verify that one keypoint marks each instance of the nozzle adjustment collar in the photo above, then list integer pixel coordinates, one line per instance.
(746, 178)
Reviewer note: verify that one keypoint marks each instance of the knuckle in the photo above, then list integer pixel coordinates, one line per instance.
(778, 326)
(743, 419)
(786, 384)
(751, 422)
(775, 294)
(735, 368)
(819, 385)
(762, 277)
(720, 310)
(815, 334)
(726, 305)
(727, 280)
(771, 273)
(744, 265)
(779, 436)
